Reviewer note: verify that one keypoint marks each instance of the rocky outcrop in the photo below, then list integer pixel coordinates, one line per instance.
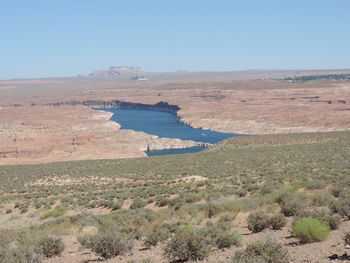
(120, 73)
(38, 134)
(117, 104)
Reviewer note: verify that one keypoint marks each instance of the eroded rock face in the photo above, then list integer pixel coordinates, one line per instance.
(35, 134)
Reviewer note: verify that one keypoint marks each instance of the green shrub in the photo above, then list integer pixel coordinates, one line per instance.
(242, 192)
(277, 221)
(49, 246)
(258, 221)
(333, 221)
(322, 198)
(155, 235)
(341, 206)
(23, 210)
(58, 211)
(323, 215)
(117, 205)
(171, 226)
(212, 231)
(161, 201)
(227, 217)
(212, 210)
(336, 190)
(187, 244)
(37, 204)
(262, 251)
(293, 206)
(22, 254)
(4, 249)
(228, 238)
(138, 203)
(108, 243)
(309, 229)
(314, 185)
(106, 203)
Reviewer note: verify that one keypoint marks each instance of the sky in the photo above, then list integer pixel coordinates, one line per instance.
(49, 38)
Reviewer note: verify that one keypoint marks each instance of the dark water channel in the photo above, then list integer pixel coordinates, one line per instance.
(164, 124)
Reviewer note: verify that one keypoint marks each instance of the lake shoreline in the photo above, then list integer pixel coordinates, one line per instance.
(165, 124)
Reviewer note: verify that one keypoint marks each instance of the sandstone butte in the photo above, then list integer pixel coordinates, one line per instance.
(31, 131)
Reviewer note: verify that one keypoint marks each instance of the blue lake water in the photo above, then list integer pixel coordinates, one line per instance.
(164, 124)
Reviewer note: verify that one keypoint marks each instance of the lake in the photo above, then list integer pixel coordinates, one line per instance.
(164, 124)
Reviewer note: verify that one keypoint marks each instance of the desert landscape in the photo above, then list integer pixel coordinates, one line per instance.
(238, 105)
(174, 131)
(294, 166)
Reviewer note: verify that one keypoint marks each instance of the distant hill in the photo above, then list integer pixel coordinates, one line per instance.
(137, 73)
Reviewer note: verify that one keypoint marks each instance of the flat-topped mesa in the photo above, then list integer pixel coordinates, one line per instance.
(122, 72)
(117, 104)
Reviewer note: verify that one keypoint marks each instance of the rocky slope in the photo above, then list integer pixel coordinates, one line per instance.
(37, 134)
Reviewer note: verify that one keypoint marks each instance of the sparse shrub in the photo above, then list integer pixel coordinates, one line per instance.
(277, 221)
(242, 192)
(161, 201)
(23, 254)
(58, 211)
(138, 203)
(155, 235)
(322, 198)
(212, 210)
(108, 243)
(49, 246)
(314, 185)
(37, 204)
(266, 189)
(227, 239)
(258, 221)
(212, 231)
(341, 206)
(171, 226)
(333, 221)
(117, 205)
(262, 251)
(227, 217)
(336, 190)
(24, 210)
(323, 215)
(292, 206)
(347, 238)
(106, 203)
(4, 249)
(92, 205)
(187, 244)
(8, 211)
(309, 229)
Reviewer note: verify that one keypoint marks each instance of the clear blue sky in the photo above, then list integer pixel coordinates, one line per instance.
(68, 37)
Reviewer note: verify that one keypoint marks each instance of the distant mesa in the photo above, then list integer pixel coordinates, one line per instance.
(183, 71)
(132, 73)
(123, 73)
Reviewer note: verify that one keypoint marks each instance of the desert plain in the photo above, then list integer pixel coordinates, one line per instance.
(48, 120)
